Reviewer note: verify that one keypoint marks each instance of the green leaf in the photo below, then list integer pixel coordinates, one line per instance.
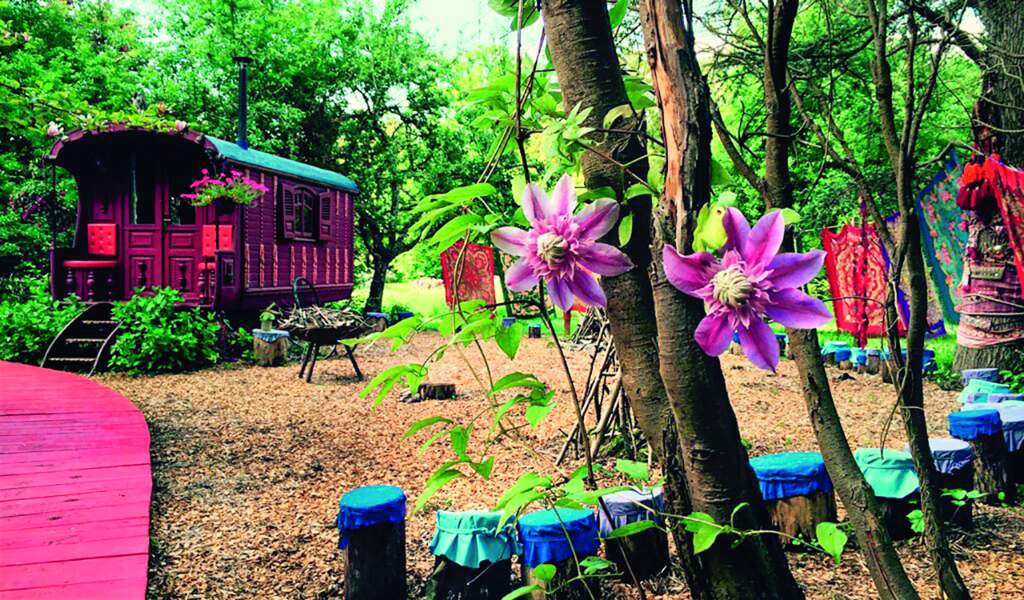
(595, 564)
(460, 439)
(621, 111)
(719, 176)
(423, 424)
(705, 537)
(601, 192)
(430, 441)
(526, 481)
(545, 572)
(516, 380)
(625, 229)
(790, 216)
(637, 190)
(631, 528)
(591, 497)
(635, 470)
(831, 539)
(916, 518)
(466, 192)
(523, 590)
(484, 468)
(536, 413)
(434, 485)
(508, 338)
(617, 12)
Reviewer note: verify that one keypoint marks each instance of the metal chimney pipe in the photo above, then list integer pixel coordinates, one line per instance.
(243, 100)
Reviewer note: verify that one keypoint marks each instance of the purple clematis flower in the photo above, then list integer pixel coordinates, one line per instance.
(751, 281)
(562, 248)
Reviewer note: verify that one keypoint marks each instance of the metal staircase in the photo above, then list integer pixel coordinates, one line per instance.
(84, 343)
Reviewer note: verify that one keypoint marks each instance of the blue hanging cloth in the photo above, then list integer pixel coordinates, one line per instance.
(369, 505)
(790, 474)
(972, 424)
(545, 535)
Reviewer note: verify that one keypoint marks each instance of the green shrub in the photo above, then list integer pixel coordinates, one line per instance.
(30, 318)
(156, 335)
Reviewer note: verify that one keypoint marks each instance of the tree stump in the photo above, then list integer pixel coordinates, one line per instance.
(645, 553)
(954, 466)
(895, 513)
(270, 350)
(371, 521)
(892, 477)
(533, 331)
(377, 321)
(798, 516)
(874, 362)
(558, 588)
(451, 581)
(991, 475)
(886, 372)
(437, 391)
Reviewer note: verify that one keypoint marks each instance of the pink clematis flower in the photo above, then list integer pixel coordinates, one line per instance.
(562, 248)
(750, 282)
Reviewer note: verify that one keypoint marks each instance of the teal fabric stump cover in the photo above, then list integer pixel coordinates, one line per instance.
(471, 538)
(972, 424)
(977, 390)
(832, 347)
(948, 455)
(370, 505)
(791, 474)
(544, 540)
(630, 506)
(891, 474)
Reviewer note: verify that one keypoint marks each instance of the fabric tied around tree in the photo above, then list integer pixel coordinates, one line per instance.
(983, 374)
(544, 539)
(972, 424)
(471, 538)
(890, 472)
(369, 505)
(978, 390)
(630, 506)
(790, 474)
(949, 455)
(270, 336)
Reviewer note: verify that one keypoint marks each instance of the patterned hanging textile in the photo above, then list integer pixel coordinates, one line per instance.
(475, 278)
(856, 266)
(944, 232)
(936, 324)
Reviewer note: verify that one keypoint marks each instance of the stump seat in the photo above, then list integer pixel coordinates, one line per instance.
(984, 430)
(984, 374)
(270, 346)
(551, 537)
(892, 477)
(473, 556)
(978, 390)
(954, 462)
(646, 552)
(371, 526)
(797, 490)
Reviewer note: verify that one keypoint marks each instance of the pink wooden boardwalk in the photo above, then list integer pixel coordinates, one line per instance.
(74, 488)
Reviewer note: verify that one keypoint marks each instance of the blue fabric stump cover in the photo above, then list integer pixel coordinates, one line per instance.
(843, 354)
(948, 455)
(508, 321)
(791, 474)
(471, 538)
(983, 374)
(378, 315)
(630, 506)
(972, 424)
(831, 347)
(860, 356)
(978, 390)
(270, 335)
(370, 505)
(996, 398)
(1013, 427)
(544, 540)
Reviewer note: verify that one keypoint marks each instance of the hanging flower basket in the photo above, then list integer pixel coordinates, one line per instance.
(225, 192)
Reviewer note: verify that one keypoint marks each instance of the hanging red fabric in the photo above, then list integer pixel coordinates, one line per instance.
(475, 278)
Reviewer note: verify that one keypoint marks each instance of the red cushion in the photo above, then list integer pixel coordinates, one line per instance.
(209, 233)
(90, 264)
(102, 239)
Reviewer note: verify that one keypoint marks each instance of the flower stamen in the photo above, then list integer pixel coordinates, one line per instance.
(552, 248)
(732, 287)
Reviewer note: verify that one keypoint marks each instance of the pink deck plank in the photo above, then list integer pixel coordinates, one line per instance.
(75, 486)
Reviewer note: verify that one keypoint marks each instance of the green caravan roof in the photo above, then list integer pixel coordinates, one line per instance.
(261, 160)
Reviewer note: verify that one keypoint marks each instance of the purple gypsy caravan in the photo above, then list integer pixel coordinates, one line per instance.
(135, 230)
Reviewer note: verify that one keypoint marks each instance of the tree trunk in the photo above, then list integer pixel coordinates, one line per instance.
(583, 53)
(986, 340)
(716, 464)
(863, 508)
(380, 274)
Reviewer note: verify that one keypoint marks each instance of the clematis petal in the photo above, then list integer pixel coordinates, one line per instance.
(737, 230)
(604, 259)
(561, 295)
(759, 344)
(790, 269)
(765, 239)
(510, 240)
(520, 276)
(585, 287)
(793, 308)
(535, 204)
(714, 333)
(597, 218)
(688, 273)
(563, 201)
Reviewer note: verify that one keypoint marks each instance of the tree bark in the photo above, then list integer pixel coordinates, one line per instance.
(716, 464)
(908, 380)
(585, 59)
(375, 299)
(999, 123)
